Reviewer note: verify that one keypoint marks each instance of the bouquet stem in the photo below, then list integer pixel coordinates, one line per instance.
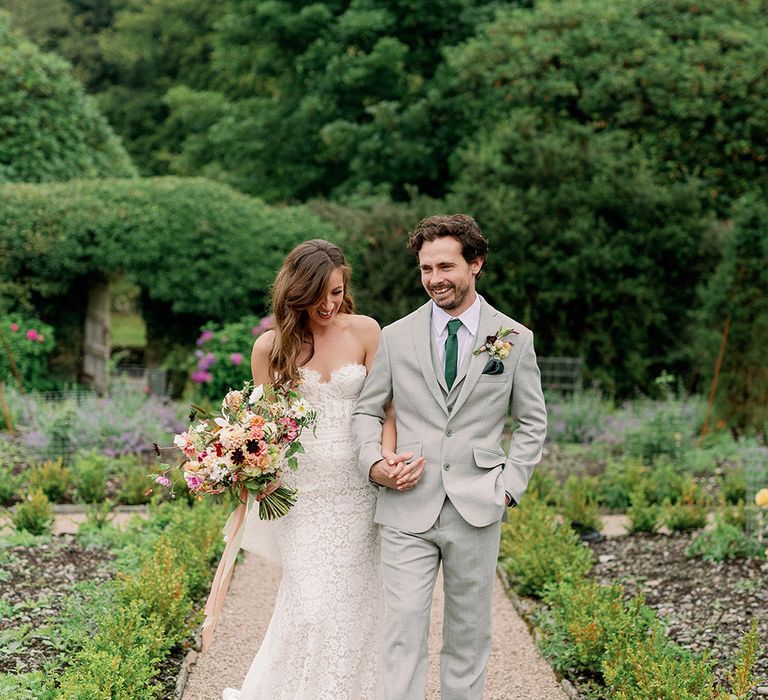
(277, 504)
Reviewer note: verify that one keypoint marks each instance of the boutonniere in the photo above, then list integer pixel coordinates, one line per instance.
(495, 345)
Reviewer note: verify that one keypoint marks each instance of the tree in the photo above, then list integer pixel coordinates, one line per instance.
(685, 81)
(331, 97)
(588, 245)
(50, 129)
(738, 292)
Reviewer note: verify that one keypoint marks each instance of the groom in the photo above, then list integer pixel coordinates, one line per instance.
(451, 392)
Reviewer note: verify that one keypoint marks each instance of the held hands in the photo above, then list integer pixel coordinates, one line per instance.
(398, 472)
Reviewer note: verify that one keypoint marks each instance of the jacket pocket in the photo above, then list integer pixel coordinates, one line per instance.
(488, 459)
(414, 447)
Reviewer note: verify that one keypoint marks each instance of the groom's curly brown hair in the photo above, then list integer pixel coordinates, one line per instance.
(462, 227)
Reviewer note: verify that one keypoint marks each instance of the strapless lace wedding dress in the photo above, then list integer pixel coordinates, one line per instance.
(324, 637)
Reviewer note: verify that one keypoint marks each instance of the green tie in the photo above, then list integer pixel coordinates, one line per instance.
(451, 352)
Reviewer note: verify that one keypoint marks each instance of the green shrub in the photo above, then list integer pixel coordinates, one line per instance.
(577, 417)
(544, 486)
(578, 502)
(619, 480)
(121, 661)
(583, 617)
(653, 668)
(52, 129)
(36, 685)
(724, 541)
(537, 550)
(741, 679)
(9, 485)
(690, 510)
(161, 590)
(33, 514)
(643, 516)
(134, 483)
(733, 485)
(29, 342)
(664, 482)
(52, 477)
(90, 472)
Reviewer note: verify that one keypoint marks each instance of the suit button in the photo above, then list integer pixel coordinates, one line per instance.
(446, 466)
(449, 432)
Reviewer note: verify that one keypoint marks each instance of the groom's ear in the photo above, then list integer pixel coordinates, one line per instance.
(476, 265)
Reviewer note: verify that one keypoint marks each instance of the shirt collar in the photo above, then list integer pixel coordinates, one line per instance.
(470, 319)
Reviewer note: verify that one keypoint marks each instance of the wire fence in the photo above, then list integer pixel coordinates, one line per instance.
(561, 374)
(755, 463)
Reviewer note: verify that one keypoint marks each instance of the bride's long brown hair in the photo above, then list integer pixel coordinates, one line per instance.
(300, 284)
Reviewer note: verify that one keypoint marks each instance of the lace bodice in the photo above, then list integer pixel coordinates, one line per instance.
(335, 399)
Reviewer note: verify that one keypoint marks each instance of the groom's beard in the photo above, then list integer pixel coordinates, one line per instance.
(450, 300)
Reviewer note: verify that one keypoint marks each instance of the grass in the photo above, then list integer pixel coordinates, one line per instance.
(127, 331)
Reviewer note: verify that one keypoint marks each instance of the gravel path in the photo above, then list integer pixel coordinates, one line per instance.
(516, 670)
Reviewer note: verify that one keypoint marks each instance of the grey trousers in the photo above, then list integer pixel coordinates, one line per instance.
(410, 564)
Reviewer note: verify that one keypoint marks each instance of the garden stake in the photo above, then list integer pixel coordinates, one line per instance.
(713, 388)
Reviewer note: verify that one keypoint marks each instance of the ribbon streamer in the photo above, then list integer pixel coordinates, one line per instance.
(233, 534)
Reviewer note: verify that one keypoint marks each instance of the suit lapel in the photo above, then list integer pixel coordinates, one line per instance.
(422, 336)
(488, 326)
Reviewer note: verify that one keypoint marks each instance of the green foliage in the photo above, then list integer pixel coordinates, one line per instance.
(217, 250)
(9, 485)
(537, 550)
(620, 478)
(33, 514)
(653, 668)
(643, 516)
(90, 471)
(736, 292)
(742, 680)
(52, 130)
(120, 661)
(725, 541)
(583, 618)
(154, 50)
(52, 477)
(689, 511)
(27, 686)
(25, 349)
(669, 77)
(134, 483)
(734, 485)
(665, 430)
(328, 97)
(578, 502)
(223, 357)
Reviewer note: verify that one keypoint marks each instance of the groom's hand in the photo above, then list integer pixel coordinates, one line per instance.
(398, 472)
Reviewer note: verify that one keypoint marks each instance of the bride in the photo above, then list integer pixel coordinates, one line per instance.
(323, 640)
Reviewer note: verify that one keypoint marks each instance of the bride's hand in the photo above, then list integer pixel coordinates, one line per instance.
(269, 488)
(405, 470)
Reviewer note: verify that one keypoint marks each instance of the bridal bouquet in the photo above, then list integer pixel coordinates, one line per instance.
(245, 447)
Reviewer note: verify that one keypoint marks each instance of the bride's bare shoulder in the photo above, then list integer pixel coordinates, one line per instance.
(263, 344)
(363, 325)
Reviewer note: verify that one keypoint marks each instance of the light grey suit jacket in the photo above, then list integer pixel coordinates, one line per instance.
(458, 432)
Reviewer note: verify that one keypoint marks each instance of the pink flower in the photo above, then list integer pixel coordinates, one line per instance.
(162, 480)
(236, 358)
(205, 336)
(201, 377)
(194, 481)
(31, 334)
(14, 327)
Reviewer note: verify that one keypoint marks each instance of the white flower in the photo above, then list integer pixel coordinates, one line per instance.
(201, 427)
(299, 409)
(221, 422)
(180, 441)
(256, 394)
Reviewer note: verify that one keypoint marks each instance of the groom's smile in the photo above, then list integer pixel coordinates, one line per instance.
(448, 278)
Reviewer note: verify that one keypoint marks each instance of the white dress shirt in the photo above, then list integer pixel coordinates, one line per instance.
(470, 321)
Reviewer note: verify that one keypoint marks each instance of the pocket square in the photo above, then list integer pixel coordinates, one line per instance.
(493, 366)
